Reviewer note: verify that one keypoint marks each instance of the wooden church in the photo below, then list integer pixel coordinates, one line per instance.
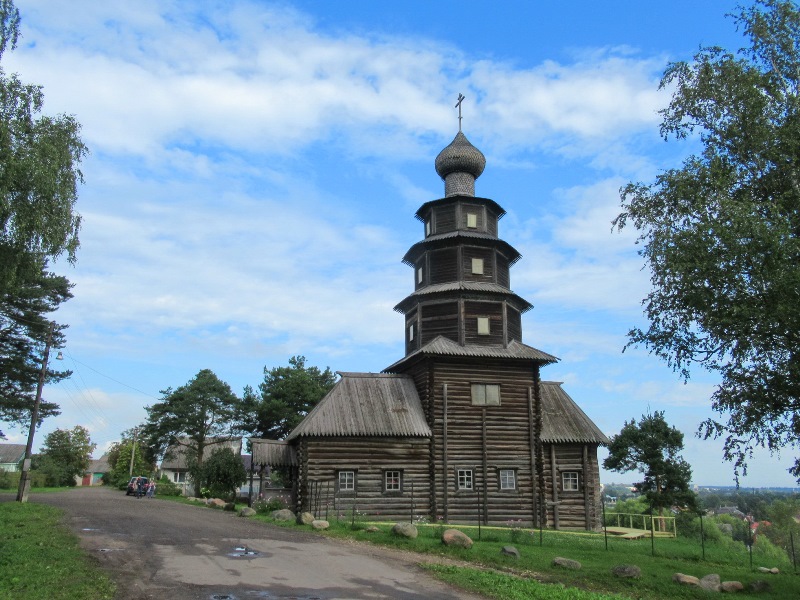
(461, 429)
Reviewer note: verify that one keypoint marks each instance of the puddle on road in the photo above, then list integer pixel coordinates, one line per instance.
(243, 552)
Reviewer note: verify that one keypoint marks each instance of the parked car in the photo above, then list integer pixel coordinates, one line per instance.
(131, 491)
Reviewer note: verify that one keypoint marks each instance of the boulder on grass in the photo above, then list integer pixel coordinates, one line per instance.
(627, 571)
(759, 586)
(710, 583)
(320, 524)
(229, 506)
(731, 586)
(247, 512)
(454, 537)
(283, 514)
(509, 551)
(406, 530)
(305, 518)
(218, 502)
(685, 579)
(372, 529)
(566, 563)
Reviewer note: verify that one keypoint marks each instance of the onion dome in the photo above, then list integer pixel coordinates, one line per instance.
(459, 165)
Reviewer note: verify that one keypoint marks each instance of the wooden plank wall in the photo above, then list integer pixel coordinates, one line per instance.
(369, 457)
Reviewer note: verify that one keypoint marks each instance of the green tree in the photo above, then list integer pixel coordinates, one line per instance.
(193, 417)
(223, 472)
(721, 233)
(65, 455)
(653, 448)
(39, 174)
(285, 396)
(23, 333)
(119, 459)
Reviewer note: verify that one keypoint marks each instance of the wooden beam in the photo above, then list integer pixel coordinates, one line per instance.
(446, 475)
(555, 484)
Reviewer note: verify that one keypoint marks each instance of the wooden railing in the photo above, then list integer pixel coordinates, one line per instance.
(655, 523)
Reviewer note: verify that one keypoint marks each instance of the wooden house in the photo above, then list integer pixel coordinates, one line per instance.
(461, 429)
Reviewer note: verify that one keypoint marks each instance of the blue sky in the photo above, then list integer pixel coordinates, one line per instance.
(255, 168)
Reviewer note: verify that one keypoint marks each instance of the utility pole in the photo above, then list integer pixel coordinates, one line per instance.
(133, 450)
(25, 477)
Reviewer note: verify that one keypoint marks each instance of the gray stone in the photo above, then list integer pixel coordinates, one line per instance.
(731, 586)
(567, 563)
(320, 524)
(759, 586)
(407, 530)
(283, 514)
(372, 529)
(216, 502)
(305, 518)
(455, 537)
(627, 571)
(771, 571)
(510, 551)
(247, 512)
(710, 582)
(685, 579)
(229, 506)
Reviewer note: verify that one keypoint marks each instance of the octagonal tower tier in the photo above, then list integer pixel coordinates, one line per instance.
(461, 268)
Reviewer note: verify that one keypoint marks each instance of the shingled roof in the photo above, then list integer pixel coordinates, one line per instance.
(12, 453)
(275, 453)
(563, 421)
(441, 345)
(367, 404)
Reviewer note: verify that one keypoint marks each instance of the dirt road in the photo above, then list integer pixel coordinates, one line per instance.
(159, 549)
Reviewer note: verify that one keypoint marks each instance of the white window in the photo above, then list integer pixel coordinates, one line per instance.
(483, 325)
(465, 479)
(427, 228)
(392, 481)
(472, 220)
(569, 481)
(179, 477)
(477, 266)
(508, 479)
(419, 275)
(411, 333)
(347, 481)
(485, 394)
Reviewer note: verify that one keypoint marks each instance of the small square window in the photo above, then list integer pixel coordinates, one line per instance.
(569, 481)
(485, 394)
(472, 220)
(508, 479)
(347, 481)
(483, 325)
(419, 275)
(392, 481)
(465, 479)
(477, 266)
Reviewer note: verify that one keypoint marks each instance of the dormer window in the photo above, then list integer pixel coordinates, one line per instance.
(411, 332)
(472, 220)
(419, 275)
(483, 325)
(477, 266)
(427, 228)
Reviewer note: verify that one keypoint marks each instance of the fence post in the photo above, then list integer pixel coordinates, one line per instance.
(605, 529)
(702, 537)
(794, 558)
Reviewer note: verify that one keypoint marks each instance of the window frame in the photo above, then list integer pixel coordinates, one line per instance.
(484, 326)
(480, 394)
(472, 220)
(352, 488)
(513, 479)
(399, 482)
(467, 477)
(573, 477)
(478, 265)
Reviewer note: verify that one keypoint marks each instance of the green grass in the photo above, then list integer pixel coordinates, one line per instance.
(40, 558)
(483, 569)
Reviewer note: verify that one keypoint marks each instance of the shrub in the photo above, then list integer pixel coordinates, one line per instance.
(268, 505)
(165, 487)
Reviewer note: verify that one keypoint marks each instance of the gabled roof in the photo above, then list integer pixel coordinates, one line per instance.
(175, 456)
(443, 346)
(12, 453)
(275, 453)
(563, 421)
(367, 404)
(99, 465)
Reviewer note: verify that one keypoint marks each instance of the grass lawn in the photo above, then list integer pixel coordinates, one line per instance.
(40, 558)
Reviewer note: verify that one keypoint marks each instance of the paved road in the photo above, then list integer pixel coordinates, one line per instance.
(159, 549)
